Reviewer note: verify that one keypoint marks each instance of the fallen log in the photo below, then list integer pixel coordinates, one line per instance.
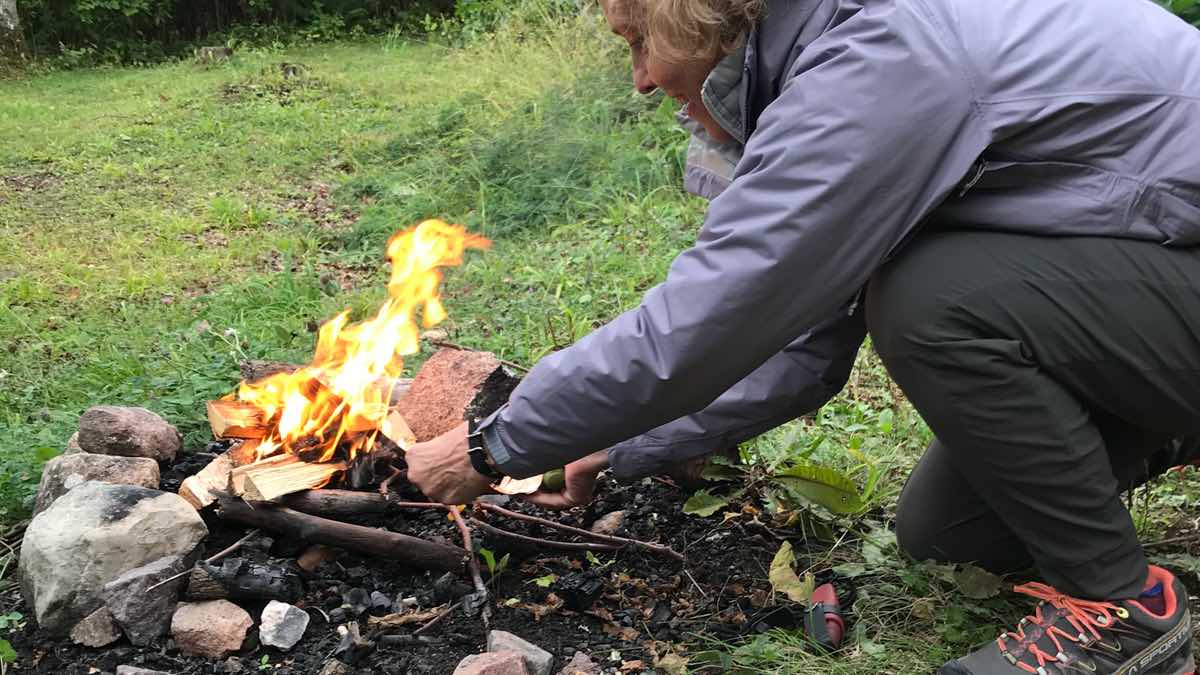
(391, 545)
(241, 579)
(336, 503)
(281, 475)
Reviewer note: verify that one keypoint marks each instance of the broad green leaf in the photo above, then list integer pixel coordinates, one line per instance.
(826, 487)
(976, 583)
(887, 421)
(704, 504)
(7, 653)
(546, 581)
(714, 471)
(784, 580)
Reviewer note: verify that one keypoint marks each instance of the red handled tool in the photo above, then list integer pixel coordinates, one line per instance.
(823, 622)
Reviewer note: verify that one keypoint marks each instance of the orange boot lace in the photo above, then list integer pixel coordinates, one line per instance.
(1086, 617)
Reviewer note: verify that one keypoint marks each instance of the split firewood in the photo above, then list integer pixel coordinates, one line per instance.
(416, 552)
(280, 475)
(236, 419)
(199, 490)
(241, 579)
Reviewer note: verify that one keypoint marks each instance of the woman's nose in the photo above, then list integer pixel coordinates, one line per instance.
(642, 81)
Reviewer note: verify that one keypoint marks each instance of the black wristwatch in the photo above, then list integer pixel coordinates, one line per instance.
(477, 451)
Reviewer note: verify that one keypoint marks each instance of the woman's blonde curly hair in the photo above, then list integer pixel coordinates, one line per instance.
(679, 31)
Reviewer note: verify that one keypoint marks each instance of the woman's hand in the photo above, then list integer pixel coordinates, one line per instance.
(442, 469)
(580, 484)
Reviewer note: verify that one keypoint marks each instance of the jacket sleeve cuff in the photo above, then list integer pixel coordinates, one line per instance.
(510, 459)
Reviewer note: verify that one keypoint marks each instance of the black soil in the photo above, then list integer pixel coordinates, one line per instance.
(646, 603)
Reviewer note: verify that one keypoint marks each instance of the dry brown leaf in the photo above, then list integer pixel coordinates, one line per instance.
(406, 618)
(672, 664)
(553, 604)
(631, 666)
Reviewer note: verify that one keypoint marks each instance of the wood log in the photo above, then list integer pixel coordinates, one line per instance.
(201, 489)
(280, 475)
(255, 370)
(241, 579)
(416, 552)
(236, 419)
(336, 503)
(396, 429)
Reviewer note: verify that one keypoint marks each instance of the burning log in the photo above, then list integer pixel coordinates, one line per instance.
(235, 419)
(383, 543)
(281, 475)
(240, 579)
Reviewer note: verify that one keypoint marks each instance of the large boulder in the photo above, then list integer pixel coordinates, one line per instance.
(66, 471)
(128, 432)
(92, 535)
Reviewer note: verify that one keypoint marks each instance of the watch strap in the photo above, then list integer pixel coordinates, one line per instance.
(477, 451)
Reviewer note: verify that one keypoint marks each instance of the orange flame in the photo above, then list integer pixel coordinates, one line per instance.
(341, 399)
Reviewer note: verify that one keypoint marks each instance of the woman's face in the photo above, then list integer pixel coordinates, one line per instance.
(680, 81)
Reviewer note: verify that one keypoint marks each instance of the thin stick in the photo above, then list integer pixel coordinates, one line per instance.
(216, 557)
(560, 545)
(437, 619)
(472, 562)
(451, 345)
(1186, 539)
(617, 541)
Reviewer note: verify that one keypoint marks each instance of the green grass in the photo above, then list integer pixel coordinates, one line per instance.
(159, 225)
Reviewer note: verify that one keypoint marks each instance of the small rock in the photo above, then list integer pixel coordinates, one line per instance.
(380, 602)
(97, 630)
(213, 629)
(67, 471)
(492, 663)
(580, 664)
(90, 536)
(283, 625)
(134, 670)
(610, 524)
(337, 615)
(537, 660)
(356, 601)
(233, 665)
(128, 432)
(144, 614)
(73, 445)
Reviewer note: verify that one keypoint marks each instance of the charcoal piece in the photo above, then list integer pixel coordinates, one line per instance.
(353, 647)
(579, 591)
(242, 579)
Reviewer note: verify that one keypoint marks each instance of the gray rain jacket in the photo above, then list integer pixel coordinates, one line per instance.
(862, 121)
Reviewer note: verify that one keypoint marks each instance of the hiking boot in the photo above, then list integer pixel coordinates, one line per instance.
(1151, 635)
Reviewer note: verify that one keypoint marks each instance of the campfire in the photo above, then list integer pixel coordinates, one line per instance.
(336, 417)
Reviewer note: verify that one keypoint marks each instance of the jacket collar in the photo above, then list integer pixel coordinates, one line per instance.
(748, 79)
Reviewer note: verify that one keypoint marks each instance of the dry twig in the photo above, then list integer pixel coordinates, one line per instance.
(216, 557)
(606, 538)
(544, 543)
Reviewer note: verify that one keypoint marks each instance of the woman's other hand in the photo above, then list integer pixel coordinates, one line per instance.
(579, 484)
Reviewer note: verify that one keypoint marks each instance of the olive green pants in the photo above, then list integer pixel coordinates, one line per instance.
(1049, 369)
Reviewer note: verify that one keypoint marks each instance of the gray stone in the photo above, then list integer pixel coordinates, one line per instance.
(493, 663)
(73, 445)
(609, 524)
(90, 536)
(580, 664)
(335, 667)
(134, 670)
(97, 630)
(282, 625)
(144, 614)
(128, 432)
(66, 471)
(213, 629)
(538, 660)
